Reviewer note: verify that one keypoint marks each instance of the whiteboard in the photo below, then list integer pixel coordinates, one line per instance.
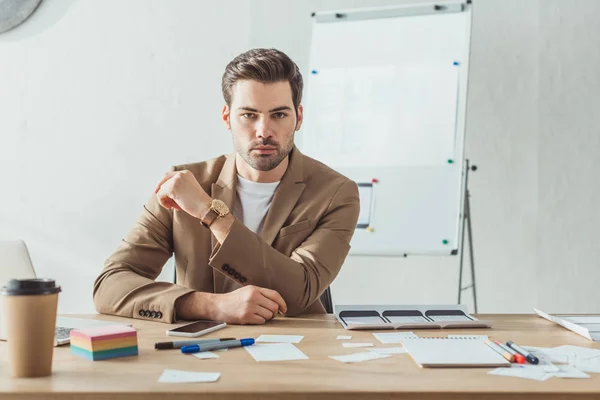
(385, 105)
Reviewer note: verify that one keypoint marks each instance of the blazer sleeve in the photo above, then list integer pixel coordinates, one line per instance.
(302, 277)
(126, 285)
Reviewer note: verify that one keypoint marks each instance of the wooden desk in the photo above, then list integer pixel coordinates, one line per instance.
(317, 378)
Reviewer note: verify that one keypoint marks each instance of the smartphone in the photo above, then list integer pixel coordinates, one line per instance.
(196, 329)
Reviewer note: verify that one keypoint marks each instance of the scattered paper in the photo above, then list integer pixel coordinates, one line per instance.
(357, 357)
(526, 373)
(568, 371)
(577, 351)
(357, 344)
(566, 354)
(591, 365)
(478, 337)
(275, 352)
(344, 337)
(394, 337)
(389, 350)
(176, 376)
(545, 353)
(280, 338)
(225, 349)
(205, 355)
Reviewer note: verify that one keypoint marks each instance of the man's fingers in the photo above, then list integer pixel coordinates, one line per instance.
(168, 203)
(263, 312)
(276, 297)
(164, 198)
(254, 319)
(165, 178)
(268, 304)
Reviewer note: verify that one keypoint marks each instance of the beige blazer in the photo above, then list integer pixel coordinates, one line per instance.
(304, 242)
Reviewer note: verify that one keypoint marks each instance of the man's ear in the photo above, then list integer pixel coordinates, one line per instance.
(300, 117)
(225, 113)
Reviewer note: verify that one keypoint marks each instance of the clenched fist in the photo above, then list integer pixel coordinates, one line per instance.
(180, 190)
(247, 305)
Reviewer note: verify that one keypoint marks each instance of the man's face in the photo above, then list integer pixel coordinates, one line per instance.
(262, 121)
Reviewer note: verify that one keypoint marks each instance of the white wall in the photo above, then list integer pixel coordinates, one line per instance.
(98, 98)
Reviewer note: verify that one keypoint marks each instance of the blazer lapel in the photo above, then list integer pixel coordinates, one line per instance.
(224, 189)
(286, 196)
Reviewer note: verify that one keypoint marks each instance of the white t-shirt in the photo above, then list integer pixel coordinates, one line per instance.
(253, 202)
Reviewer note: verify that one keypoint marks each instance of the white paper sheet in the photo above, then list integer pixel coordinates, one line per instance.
(394, 337)
(357, 344)
(344, 337)
(567, 354)
(389, 350)
(526, 373)
(358, 357)
(203, 355)
(275, 352)
(548, 353)
(177, 376)
(280, 338)
(569, 371)
(590, 365)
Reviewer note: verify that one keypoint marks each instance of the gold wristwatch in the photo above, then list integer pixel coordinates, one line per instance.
(217, 209)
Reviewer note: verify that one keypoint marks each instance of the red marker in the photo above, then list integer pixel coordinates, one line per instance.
(519, 359)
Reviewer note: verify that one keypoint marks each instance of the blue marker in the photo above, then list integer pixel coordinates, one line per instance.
(196, 348)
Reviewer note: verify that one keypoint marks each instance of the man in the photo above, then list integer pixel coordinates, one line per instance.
(260, 231)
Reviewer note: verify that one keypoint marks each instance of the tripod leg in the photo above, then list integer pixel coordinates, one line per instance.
(468, 207)
(462, 248)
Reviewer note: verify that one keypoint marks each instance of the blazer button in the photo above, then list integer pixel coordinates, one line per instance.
(237, 275)
(141, 313)
(158, 314)
(243, 279)
(147, 313)
(153, 314)
(225, 267)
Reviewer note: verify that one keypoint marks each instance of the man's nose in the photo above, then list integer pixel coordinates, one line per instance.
(263, 128)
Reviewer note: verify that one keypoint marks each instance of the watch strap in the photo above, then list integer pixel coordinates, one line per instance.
(210, 217)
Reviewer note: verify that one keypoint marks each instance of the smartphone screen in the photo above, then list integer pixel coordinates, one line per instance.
(196, 327)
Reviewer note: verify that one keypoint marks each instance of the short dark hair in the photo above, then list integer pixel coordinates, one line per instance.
(266, 66)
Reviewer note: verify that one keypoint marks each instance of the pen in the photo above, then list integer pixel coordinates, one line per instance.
(518, 358)
(196, 348)
(180, 343)
(528, 356)
(500, 350)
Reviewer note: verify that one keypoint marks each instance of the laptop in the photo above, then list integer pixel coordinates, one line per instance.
(15, 263)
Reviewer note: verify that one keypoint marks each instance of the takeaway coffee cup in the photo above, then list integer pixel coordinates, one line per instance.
(30, 317)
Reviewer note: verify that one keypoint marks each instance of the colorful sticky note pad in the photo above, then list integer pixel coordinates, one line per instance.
(104, 342)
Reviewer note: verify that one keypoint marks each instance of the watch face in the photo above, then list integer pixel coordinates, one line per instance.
(220, 207)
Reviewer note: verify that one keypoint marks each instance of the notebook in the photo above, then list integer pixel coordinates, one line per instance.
(453, 352)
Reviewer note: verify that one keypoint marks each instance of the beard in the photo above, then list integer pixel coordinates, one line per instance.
(263, 162)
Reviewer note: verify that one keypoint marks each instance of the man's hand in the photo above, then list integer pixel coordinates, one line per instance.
(180, 190)
(247, 305)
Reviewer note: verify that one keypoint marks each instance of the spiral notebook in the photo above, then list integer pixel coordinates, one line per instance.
(453, 352)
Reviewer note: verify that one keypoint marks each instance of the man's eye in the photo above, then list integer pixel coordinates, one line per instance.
(248, 115)
(280, 115)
